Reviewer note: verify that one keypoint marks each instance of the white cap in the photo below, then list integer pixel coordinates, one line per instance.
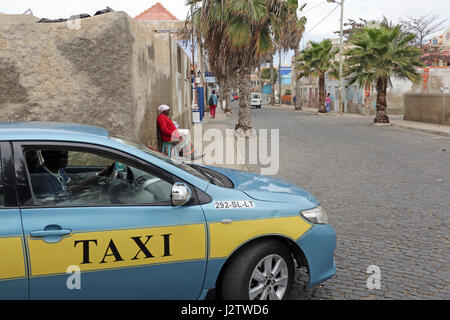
(163, 108)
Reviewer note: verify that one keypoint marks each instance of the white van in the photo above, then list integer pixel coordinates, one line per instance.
(256, 100)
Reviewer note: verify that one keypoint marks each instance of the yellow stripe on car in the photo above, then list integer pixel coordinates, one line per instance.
(117, 249)
(225, 238)
(13, 262)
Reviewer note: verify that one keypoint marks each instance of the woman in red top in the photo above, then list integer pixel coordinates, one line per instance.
(166, 127)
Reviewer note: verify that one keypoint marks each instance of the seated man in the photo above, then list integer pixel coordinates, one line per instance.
(51, 180)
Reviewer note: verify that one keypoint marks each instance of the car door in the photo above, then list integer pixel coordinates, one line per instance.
(13, 273)
(105, 242)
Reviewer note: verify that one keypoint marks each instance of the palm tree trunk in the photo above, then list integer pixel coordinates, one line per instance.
(226, 95)
(244, 116)
(272, 83)
(260, 80)
(298, 93)
(322, 108)
(221, 91)
(381, 116)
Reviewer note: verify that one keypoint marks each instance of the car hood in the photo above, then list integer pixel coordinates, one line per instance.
(267, 188)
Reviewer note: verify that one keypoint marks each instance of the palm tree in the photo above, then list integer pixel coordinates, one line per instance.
(290, 33)
(378, 55)
(316, 61)
(238, 36)
(210, 30)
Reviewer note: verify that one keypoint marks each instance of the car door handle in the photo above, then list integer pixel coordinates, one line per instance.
(49, 233)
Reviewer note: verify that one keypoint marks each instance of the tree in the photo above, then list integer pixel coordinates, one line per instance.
(265, 75)
(351, 26)
(289, 33)
(211, 31)
(316, 61)
(379, 54)
(422, 27)
(238, 34)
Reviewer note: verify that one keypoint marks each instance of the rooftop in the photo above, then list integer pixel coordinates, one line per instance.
(156, 12)
(51, 127)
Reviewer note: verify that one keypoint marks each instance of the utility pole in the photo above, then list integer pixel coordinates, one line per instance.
(194, 85)
(341, 44)
(279, 76)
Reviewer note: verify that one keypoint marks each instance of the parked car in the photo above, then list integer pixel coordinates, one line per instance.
(255, 100)
(132, 223)
(235, 96)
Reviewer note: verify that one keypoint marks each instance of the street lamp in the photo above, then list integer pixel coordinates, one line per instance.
(341, 101)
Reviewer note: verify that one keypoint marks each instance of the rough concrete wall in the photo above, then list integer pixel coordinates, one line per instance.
(168, 25)
(427, 107)
(182, 98)
(110, 72)
(354, 108)
(447, 109)
(157, 80)
(69, 75)
(145, 94)
(16, 18)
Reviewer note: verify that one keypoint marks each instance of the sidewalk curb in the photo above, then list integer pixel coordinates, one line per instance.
(395, 122)
(430, 131)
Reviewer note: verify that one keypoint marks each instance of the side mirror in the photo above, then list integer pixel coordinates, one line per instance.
(181, 194)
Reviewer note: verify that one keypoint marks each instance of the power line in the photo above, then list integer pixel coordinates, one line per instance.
(322, 19)
(303, 12)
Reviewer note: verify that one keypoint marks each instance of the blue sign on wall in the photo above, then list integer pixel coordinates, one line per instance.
(267, 88)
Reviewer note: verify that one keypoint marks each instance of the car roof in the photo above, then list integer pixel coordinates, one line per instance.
(71, 132)
(10, 130)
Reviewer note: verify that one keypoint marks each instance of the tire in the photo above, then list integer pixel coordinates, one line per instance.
(246, 277)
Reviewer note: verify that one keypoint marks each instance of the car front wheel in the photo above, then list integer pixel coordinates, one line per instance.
(262, 271)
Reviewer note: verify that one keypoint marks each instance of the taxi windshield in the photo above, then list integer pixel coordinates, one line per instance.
(160, 156)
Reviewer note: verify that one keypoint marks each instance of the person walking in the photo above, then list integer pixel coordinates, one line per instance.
(213, 98)
(328, 102)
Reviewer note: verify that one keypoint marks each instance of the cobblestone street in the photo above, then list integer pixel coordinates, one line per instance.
(387, 194)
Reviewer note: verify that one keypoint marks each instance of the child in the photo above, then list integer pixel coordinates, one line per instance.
(328, 102)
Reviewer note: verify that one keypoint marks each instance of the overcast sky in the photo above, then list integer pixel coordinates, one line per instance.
(315, 11)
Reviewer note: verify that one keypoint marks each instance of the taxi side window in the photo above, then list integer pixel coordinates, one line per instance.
(64, 177)
(2, 192)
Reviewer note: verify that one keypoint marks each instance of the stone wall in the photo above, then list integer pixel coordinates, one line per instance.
(432, 80)
(17, 18)
(172, 26)
(109, 71)
(427, 107)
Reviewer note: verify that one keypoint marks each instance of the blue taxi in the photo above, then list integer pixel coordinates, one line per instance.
(85, 215)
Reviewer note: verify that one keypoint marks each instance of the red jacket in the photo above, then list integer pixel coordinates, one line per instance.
(167, 129)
